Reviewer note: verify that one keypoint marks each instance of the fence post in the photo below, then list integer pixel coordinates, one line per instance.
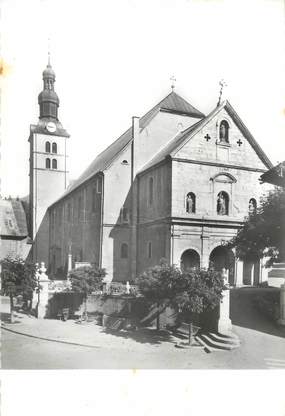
(281, 320)
(225, 324)
(43, 292)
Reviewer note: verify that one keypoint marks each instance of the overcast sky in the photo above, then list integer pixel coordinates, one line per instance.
(113, 59)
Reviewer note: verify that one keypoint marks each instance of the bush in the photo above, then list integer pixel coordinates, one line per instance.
(268, 305)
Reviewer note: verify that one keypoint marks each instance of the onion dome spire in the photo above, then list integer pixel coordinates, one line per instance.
(48, 99)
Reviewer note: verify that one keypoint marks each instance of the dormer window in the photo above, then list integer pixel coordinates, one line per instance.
(224, 132)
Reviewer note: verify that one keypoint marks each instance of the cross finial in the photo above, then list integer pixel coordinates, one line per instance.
(49, 51)
(222, 84)
(173, 80)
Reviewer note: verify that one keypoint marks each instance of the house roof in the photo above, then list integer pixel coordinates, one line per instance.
(184, 136)
(275, 176)
(13, 221)
(171, 103)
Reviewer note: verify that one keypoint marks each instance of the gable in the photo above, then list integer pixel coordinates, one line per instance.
(205, 145)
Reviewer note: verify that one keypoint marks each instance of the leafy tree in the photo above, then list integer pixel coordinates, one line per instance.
(86, 280)
(191, 291)
(18, 278)
(160, 284)
(264, 230)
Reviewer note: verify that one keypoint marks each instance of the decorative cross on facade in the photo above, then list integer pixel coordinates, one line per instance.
(222, 84)
(173, 79)
(207, 137)
(239, 142)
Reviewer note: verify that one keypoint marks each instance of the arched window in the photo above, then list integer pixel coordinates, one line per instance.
(124, 251)
(252, 206)
(224, 132)
(150, 191)
(190, 202)
(149, 249)
(47, 147)
(47, 163)
(54, 147)
(223, 203)
(54, 163)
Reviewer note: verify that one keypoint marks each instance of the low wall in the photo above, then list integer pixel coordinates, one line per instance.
(137, 309)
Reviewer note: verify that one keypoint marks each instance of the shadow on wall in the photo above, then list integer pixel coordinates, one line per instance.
(39, 251)
(244, 313)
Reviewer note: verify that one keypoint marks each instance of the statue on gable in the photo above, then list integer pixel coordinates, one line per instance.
(224, 127)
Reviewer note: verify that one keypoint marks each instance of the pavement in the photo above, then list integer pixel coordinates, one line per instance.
(44, 343)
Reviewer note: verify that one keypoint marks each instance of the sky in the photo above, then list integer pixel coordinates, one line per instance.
(114, 59)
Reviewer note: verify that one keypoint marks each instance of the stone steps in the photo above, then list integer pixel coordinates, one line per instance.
(217, 342)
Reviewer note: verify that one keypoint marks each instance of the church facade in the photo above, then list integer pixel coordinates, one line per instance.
(176, 185)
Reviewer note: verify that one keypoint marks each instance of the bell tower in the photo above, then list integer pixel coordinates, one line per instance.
(48, 165)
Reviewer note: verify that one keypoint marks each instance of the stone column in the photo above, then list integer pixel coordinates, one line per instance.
(43, 293)
(281, 320)
(225, 324)
(239, 272)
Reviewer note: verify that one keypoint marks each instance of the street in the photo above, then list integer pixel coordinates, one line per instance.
(262, 347)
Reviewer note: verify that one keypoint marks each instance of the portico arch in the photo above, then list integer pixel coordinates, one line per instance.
(190, 259)
(222, 257)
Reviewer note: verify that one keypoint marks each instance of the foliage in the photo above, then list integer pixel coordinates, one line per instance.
(18, 276)
(192, 291)
(86, 279)
(263, 232)
(202, 290)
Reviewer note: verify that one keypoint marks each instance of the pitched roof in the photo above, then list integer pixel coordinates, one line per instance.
(171, 103)
(184, 136)
(13, 221)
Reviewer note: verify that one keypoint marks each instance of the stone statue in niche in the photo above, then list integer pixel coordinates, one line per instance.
(190, 203)
(224, 132)
(252, 206)
(221, 204)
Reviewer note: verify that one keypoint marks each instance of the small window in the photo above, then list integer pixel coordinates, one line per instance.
(190, 203)
(79, 206)
(125, 162)
(150, 191)
(149, 250)
(47, 147)
(93, 200)
(99, 185)
(54, 148)
(223, 203)
(69, 211)
(54, 163)
(125, 215)
(47, 163)
(252, 206)
(124, 251)
(224, 132)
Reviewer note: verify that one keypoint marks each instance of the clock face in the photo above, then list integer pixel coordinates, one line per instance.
(51, 127)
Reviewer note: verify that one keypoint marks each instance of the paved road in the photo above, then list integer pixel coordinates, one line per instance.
(263, 347)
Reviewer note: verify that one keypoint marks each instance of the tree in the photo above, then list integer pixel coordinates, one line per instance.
(191, 291)
(86, 280)
(160, 284)
(263, 231)
(18, 278)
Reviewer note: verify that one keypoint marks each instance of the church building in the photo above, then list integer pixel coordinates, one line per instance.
(176, 185)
